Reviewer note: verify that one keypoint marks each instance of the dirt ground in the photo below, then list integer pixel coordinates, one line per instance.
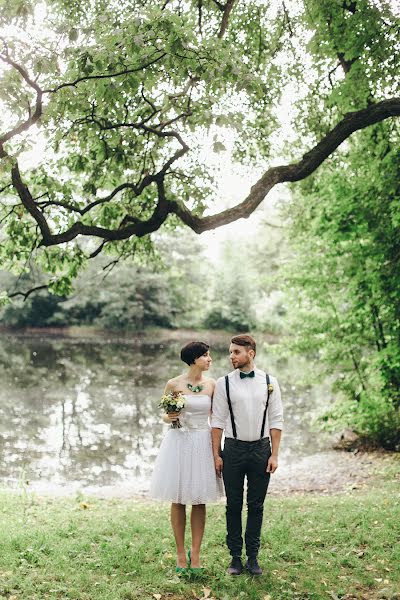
(330, 472)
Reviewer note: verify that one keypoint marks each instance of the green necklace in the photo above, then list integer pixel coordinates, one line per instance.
(195, 388)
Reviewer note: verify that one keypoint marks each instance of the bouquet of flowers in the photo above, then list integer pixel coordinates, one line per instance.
(173, 402)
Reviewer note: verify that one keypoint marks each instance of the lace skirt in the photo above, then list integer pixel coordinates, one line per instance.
(184, 469)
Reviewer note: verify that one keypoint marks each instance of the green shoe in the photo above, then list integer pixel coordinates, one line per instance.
(194, 570)
(181, 569)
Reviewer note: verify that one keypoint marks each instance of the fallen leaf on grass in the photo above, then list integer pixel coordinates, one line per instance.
(206, 592)
(157, 596)
(267, 597)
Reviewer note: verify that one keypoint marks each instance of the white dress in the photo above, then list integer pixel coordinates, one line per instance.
(184, 469)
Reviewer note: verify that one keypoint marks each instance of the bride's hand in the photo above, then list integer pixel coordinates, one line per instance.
(171, 417)
(219, 463)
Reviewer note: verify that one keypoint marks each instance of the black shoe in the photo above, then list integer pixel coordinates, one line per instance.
(236, 567)
(253, 567)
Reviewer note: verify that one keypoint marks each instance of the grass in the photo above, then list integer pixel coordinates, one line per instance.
(333, 547)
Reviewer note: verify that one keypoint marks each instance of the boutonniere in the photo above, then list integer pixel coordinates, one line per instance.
(270, 388)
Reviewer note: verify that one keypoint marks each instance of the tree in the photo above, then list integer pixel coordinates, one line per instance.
(126, 296)
(344, 228)
(231, 298)
(120, 93)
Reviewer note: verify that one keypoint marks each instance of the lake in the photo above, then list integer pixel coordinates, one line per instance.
(79, 412)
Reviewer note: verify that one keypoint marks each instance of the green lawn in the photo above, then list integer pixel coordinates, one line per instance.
(333, 547)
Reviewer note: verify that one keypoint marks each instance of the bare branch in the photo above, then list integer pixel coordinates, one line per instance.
(5, 218)
(32, 117)
(287, 20)
(105, 76)
(98, 250)
(225, 18)
(274, 225)
(26, 294)
(3, 189)
(200, 19)
(82, 211)
(149, 102)
(220, 5)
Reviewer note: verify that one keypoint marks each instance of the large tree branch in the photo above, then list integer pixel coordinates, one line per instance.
(225, 17)
(26, 294)
(226, 9)
(28, 201)
(350, 123)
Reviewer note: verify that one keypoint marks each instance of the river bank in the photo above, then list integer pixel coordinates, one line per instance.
(79, 411)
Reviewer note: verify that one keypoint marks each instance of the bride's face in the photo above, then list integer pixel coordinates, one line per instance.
(204, 361)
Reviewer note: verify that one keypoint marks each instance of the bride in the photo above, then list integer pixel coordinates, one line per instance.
(184, 470)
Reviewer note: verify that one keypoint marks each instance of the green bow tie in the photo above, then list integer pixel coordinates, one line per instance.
(243, 375)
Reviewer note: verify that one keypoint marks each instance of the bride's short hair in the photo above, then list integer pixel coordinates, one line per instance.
(193, 350)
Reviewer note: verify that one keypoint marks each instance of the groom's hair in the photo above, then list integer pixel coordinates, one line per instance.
(193, 350)
(244, 340)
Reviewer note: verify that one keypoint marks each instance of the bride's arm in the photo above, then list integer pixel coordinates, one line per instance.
(212, 389)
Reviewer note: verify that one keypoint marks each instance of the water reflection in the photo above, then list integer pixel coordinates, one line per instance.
(82, 412)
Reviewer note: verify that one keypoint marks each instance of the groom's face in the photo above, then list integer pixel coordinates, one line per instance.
(240, 356)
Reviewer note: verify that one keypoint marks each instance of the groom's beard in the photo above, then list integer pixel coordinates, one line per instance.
(243, 365)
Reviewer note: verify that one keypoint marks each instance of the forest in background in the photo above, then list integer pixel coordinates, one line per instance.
(125, 94)
(171, 288)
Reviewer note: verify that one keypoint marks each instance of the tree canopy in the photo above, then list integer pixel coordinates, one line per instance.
(120, 102)
(344, 228)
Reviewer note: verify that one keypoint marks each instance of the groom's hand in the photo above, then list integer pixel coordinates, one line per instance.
(272, 464)
(219, 463)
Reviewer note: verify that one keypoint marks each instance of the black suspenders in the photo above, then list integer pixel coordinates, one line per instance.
(266, 407)
(230, 407)
(231, 411)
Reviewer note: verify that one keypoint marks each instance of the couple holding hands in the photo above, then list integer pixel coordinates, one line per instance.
(246, 406)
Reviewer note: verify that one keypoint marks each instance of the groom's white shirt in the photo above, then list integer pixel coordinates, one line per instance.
(248, 397)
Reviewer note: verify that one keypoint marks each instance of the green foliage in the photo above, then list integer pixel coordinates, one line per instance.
(125, 85)
(231, 305)
(119, 296)
(344, 280)
(373, 417)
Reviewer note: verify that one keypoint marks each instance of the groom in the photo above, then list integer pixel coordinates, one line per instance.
(247, 407)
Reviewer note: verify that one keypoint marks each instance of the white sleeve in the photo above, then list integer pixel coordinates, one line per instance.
(275, 409)
(220, 409)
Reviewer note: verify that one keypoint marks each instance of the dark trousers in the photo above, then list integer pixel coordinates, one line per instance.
(245, 459)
